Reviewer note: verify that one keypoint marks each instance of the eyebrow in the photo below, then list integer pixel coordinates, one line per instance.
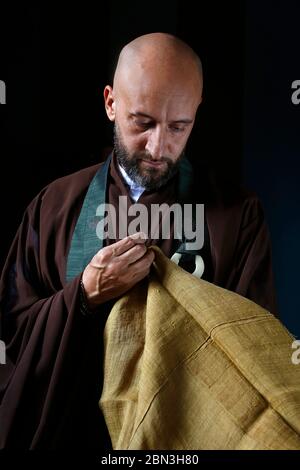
(178, 121)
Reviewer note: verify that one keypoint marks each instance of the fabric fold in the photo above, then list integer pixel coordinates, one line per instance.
(188, 365)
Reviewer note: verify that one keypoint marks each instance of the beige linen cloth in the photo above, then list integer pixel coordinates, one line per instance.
(188, 365)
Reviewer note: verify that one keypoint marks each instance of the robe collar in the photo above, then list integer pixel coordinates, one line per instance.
(85, 242)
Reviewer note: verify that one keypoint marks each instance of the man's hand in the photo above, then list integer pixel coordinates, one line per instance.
(116, 268)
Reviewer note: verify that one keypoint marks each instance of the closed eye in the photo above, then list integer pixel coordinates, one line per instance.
(144, 125)
(177, 129)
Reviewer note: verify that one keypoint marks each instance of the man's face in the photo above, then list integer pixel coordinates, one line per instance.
(140, 165)
(153, 122)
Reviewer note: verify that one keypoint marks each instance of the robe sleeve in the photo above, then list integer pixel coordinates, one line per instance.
(252, 275)
(51, 382)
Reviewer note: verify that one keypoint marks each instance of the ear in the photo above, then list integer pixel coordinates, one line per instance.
(109, 102)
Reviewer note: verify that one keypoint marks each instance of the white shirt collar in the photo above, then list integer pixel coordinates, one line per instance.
(134, 189)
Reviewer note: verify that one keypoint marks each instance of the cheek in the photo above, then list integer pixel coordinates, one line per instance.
(130, 139)
(135, 143)
(178, 143)
(185, 139)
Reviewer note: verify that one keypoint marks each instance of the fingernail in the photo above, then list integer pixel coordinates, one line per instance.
(138, 236)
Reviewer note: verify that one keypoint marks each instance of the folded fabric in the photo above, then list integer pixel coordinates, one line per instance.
(188, 365)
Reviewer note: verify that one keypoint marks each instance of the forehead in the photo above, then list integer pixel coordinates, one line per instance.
(158, 97)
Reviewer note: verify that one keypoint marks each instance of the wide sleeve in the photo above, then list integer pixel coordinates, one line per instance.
(252, 275)
(51, 382)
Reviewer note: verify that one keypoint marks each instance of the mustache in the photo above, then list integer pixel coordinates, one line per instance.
(148, 157)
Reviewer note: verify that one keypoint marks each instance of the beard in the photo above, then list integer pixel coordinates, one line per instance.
(150, 178)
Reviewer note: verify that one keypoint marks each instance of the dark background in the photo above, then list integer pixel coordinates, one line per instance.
(55, 63)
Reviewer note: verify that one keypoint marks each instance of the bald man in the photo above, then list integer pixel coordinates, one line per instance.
(64, 271)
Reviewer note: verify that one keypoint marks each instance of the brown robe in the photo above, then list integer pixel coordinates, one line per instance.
(51, 383)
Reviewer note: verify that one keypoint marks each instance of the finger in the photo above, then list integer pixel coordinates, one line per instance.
(133, 254)
(143, 264)
(139, 237)
(151, 256)
(128, 242)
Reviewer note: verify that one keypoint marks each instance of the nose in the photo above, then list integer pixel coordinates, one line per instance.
(157, 144)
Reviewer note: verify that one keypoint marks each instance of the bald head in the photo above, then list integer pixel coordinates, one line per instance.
(159, 57)
(156, 92)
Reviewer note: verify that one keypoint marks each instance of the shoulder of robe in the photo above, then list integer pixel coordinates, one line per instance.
(68, 189)
(217, 191)
(71, 185)
(234, 204)
(63, 192)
